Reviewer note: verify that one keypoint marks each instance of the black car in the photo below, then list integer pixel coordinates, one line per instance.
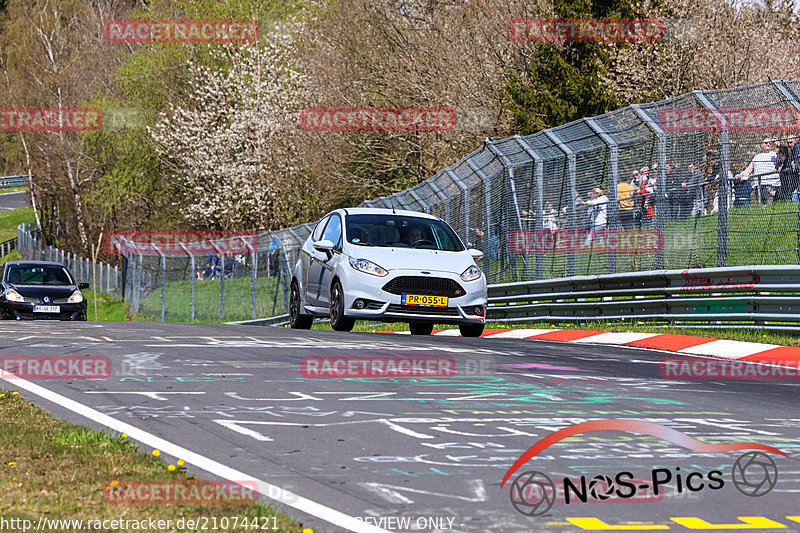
(40, 290)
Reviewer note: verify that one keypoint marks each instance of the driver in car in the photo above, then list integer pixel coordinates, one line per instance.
(413, 234)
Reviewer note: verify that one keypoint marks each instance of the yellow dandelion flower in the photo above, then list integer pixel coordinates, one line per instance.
(12, 463)
(180, 462)
(156, 453)
(172, 468)
(124, 435)
(115, 482)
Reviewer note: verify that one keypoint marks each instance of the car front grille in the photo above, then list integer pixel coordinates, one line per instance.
(427, 286)
(422, 310)
(53, 301)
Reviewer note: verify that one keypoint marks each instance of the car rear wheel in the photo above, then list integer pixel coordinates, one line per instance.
(420, 328)
(471, 330)
(339, 322)
(297, 320)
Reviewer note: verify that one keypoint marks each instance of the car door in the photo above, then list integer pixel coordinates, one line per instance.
(310, 285)
(321, 267)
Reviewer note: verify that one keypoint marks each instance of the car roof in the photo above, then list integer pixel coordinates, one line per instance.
(383, 211)
(34, 263)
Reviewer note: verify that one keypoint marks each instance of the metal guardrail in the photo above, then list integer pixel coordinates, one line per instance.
(6, 182)
(7, 246)
(726, 296)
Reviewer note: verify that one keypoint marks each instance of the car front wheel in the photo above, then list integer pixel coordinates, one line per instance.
(339, 322)
(420, 328)
(296, 320)
(471, 330)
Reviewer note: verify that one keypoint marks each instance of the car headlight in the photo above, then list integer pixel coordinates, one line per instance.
(471, 274)
(13, 296)
(76, 298)
(368, 267)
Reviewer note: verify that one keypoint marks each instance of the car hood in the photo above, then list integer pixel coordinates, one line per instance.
(413, 258)
(38, 291)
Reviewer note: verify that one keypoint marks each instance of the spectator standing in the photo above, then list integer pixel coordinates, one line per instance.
(794, 155)
(273, 256)
(598, 210)
(549, 217)
(625, 193)
(764, 171)
(783, 164)
(695, 189)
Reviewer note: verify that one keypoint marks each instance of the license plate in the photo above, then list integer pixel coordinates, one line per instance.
(419, 299)
(46, 309)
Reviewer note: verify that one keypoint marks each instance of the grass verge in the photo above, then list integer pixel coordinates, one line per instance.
(55, 469)
(9, 220)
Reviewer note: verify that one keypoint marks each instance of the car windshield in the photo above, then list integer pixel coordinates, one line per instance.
(402, 232)
(38, 275)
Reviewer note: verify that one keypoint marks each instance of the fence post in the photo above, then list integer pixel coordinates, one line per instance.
(252, 276)
(403, 204)
(573, 188)
(221, 278)
(425, 206)
(487, 200)
(509, 168)
(722, 192)
(613, 202)
(445, 201)
(465, 195)
(191, 281)
(163, 277)
(538, 171)
(661, 183)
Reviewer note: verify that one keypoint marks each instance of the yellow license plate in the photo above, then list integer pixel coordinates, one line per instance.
(419, 299)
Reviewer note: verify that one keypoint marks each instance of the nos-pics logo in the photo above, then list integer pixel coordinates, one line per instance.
(533, 493)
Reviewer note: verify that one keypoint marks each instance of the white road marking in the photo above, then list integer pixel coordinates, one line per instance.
(519, 333)
(728, 349)
(268, 490)
(614, 338)
(153, 395)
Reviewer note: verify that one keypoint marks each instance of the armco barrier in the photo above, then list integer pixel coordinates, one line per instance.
(6, 182)
(709, 296)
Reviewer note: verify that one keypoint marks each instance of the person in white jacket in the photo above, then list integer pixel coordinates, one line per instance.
(598, 213)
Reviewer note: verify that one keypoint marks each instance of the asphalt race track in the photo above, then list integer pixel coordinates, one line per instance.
(13, 200)
(360, 454)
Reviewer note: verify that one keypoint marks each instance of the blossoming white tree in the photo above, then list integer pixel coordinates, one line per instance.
(230, 143)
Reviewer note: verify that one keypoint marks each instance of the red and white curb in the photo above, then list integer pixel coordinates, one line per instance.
(680, 344)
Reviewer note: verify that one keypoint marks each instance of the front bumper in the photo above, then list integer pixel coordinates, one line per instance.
(24, 311)
(384, 306)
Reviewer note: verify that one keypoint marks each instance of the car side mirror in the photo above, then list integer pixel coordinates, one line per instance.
(476, 254)
(324, 246)
(82, 286)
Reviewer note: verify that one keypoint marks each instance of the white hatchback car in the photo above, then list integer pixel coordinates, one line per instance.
(391, 266)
